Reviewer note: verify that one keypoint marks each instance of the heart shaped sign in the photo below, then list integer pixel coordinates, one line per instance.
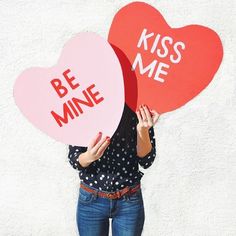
(163, 67)
(80, 96)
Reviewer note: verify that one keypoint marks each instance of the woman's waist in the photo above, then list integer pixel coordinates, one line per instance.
(126, 187)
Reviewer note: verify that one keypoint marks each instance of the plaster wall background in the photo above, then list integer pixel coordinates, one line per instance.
(190, 190)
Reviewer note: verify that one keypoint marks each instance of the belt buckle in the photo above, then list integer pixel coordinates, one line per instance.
(109, 195)
(113, 195)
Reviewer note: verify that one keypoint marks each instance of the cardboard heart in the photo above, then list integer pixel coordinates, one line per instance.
(163, 67)
(80, 96)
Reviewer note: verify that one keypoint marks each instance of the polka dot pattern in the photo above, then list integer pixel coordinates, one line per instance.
(119, 165)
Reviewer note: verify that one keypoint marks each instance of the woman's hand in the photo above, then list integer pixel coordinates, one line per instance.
(147, 118)
(95, 150)
(97, 146)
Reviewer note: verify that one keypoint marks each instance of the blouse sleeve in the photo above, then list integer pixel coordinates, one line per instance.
(148, 159)
(74, 152)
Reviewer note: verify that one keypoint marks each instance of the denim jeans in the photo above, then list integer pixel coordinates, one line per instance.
(93, 213)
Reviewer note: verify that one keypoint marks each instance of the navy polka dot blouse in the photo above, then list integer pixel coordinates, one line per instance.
(118, 167)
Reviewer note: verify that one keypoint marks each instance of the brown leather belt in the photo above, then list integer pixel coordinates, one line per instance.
(113, 195)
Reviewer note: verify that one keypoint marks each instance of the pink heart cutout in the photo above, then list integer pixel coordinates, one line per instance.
(87, 69)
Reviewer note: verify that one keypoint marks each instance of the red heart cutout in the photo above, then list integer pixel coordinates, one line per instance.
(170, 65)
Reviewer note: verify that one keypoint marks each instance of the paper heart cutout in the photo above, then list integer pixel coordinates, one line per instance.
(88, 69)
(182, 61)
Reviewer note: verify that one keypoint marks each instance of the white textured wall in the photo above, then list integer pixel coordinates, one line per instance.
(191, 188)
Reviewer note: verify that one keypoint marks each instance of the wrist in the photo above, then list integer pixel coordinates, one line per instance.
(84, 159)
(144, 153)
(142, 130)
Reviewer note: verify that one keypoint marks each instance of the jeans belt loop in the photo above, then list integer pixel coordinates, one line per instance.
(128, 193)
(95, 193)
(119, 194)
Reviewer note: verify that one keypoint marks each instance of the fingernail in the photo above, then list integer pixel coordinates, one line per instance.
(107, 137)
(99, 132)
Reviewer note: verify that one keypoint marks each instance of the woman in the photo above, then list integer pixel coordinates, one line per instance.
(110, 184)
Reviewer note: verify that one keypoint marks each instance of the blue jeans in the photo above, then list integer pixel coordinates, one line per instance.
(93, 213)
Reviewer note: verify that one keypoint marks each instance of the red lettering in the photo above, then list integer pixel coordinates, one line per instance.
(72, 108)
(64, 119)
(93, 95)
(59, 88)
(70, 79)
(88, 103)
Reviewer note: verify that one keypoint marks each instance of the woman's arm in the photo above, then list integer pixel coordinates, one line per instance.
(145, 144)
(81, 157)
(147, 160)
(74, 156)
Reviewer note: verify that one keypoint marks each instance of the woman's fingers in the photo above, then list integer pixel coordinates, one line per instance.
(148, 115)
(103, 147)
(95, 140)
(156, 116)
(139, 116)
(144, 118)
(99, 144)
